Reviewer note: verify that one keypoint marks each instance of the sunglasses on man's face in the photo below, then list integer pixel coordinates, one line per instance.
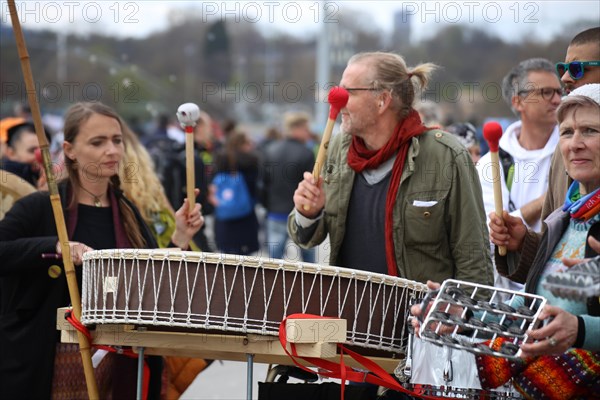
(576, 68)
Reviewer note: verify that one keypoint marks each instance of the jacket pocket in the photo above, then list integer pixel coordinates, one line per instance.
(424, 222)
(337, 186)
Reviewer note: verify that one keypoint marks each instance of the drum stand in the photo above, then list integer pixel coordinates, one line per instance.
(140, 374)
(249, 371)
(312, 338)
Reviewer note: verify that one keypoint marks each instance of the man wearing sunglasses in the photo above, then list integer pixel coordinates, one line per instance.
(533, 92)
(582, 62)
(581, 66)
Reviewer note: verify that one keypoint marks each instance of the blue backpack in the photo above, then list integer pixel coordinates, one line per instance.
(233, 196)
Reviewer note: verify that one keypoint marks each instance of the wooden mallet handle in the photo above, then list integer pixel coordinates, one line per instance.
(337, 98)
(492, 132)
(190, 177)
(188, 114)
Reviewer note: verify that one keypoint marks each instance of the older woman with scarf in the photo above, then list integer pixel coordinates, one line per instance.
(571, 335)
(98, 216)
(563, 361)
(571, 231)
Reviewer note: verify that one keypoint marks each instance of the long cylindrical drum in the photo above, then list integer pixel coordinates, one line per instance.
(219, 292)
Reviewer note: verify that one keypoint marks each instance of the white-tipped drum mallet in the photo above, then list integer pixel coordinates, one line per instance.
(492, 132)
(188, 114)
(337, 99)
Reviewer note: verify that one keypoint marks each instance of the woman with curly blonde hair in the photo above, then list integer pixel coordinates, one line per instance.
(142, 186)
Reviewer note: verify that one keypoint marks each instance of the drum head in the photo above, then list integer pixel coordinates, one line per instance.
(12, 188)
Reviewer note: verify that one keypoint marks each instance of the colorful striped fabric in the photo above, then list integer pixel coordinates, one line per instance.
(574, 374)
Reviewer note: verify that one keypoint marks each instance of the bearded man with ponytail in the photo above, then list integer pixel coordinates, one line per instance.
(395, 197)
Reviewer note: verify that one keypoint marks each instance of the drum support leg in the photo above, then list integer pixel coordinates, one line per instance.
(140, 373)
(250, 370)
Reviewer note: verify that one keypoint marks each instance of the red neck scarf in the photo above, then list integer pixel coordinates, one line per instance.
(361, 158)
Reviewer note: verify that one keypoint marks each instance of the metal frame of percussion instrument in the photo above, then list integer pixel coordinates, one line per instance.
(503, 320)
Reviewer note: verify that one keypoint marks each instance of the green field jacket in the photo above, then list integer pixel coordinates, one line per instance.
(448, 239)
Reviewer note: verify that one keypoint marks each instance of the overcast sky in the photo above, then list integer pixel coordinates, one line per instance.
(511, 20)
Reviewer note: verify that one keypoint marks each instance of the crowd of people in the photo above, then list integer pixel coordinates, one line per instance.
(398, 195)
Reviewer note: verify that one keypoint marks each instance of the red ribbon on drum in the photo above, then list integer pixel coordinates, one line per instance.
(374, 374)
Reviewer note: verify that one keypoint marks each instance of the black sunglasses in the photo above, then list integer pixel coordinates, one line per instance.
(576, 68)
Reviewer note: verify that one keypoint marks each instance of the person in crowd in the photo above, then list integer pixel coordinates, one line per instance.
(228, 128)
(271, 135)
(467, 136)
(533, 92)
(20, 152)
(22, 110)
(137, 127)
(143, 187)
(283, 164)
(238, 235)
(32, 287)
(393, 193)
(205, 143)
(160, 130)
(168, 157)
(568, 235)
(6, 123)
(430, 112)
(584, 47)
(567, 345)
